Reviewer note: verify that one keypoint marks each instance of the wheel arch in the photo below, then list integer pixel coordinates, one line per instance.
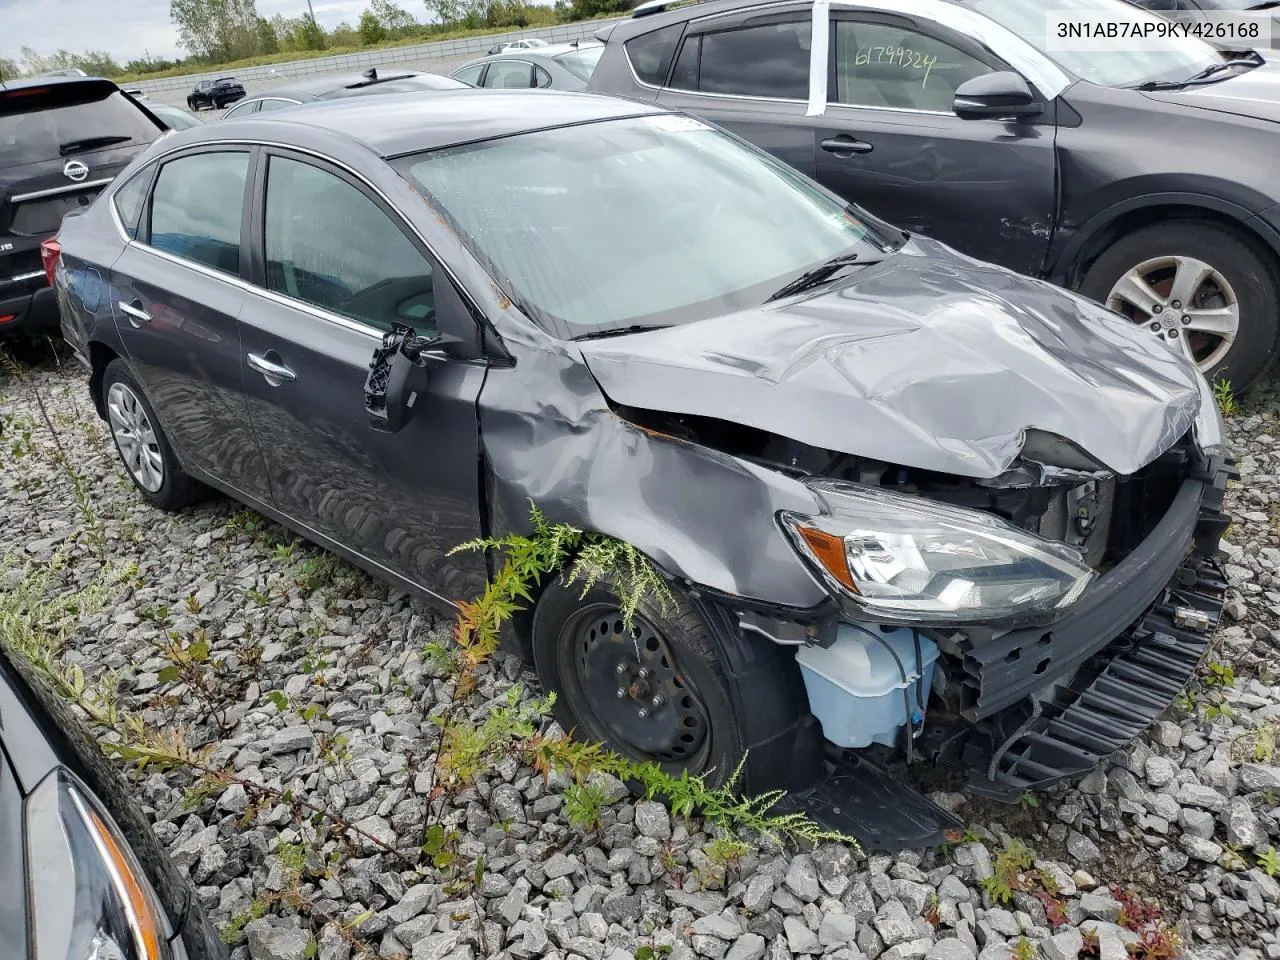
(100, 354)
(1101, 230)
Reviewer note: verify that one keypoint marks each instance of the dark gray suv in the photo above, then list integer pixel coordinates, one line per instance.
(952, 119)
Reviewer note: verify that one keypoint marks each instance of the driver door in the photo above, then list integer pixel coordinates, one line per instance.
(335, 268)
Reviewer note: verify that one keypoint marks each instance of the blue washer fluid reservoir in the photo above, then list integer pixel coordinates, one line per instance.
(855, 686)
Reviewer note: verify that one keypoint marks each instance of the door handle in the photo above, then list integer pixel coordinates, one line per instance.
(846, 146)
(137, 316)
(276, 373)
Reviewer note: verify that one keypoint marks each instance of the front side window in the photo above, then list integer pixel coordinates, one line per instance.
(882, 65)
(765, 60)
(509, 75)
(330, 245)
(646, 221)
(1170, 59)
(195, 208)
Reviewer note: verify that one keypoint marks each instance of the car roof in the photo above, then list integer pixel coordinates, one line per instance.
(319, 86)
(50, 80)
(400, 123)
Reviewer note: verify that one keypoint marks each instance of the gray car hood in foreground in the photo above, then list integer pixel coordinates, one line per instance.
(928, 360)
(1255, 93)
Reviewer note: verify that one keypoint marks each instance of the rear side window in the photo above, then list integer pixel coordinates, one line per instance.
(650, 53)
(509, 75)
(195, 208)
(129, 198)
(66, 120)
(329, 245)
(470, 74)
(769, 60)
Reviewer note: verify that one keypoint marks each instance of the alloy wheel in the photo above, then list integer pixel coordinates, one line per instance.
(627, 689)
(135, 437)
(1183, 301)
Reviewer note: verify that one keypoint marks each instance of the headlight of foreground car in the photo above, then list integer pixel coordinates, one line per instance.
(903, 558)
(90, 899)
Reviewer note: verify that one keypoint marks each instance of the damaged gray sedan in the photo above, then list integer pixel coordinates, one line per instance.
(913, 508)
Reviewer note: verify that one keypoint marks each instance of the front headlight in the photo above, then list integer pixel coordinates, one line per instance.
(89, 898)
(904, 558)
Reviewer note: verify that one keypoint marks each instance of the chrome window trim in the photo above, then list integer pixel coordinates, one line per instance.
(318, 312)
(18, 278)
(56, 191)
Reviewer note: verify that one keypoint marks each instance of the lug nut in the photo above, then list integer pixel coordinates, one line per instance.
(622, 693)
(656, 701)
(1156, 326)
(1186, 321)
(1177, 304)
(1173, 334)
(643, 673)
(621, 668)
(642, 713)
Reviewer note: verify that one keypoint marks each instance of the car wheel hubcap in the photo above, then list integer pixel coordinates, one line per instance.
(1185, 302)
(135, 438)
(627, 688)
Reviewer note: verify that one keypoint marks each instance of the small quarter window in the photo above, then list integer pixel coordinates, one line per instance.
(128, 200)
(650, 53)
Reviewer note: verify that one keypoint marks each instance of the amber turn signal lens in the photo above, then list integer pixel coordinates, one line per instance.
(828, 549)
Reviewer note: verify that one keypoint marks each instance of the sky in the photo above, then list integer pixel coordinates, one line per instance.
(131, 28)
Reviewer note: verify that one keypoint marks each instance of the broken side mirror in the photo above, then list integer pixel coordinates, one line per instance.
(995, 96)
(397, 377)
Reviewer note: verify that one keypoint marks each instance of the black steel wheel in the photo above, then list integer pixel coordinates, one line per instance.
(657, 692)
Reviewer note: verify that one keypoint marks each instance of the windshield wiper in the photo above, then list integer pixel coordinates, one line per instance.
(90, 143)
(1268, 5)
(811, 278)
(1251, 59)
(622, 331)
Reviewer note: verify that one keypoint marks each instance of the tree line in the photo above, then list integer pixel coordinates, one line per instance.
(214, 32)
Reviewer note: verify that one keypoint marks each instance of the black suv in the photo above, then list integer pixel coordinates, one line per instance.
(215, 94)
(62, 139)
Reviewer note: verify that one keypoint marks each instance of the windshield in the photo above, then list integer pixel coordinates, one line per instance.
(1169, 60)
(647, 221)
(581, 63)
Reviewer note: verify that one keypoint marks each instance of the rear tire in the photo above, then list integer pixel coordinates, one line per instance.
(1238, 280)
(140, 441)
(668, 666)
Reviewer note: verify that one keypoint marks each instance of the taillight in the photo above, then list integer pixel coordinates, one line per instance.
(50, 251)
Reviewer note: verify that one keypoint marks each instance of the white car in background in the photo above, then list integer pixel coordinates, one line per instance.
(528, 43)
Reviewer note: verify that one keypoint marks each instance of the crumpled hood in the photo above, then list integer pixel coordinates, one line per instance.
(1255, 93)
(928, 359)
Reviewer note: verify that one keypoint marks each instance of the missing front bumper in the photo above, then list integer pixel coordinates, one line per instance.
(1121, 680)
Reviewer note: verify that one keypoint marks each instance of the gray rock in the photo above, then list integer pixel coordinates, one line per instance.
(800, 939)
(1003, 922)
(758, 894)
(1063, 946)
(749, 946)
(290, 739)
(1196, 823)
(1200, 849)
(893, 923)
(1198, 795)
(1159, 771)
(652, 820)
(512, 905)
(802, 878)
(1243, 826)
(417, 898)
(411, 931)
(272, 939)
(914, 950)
(837, 929)
(1082, 849)
(1257, 777)
(711, 947)
(377, 828)
(717, 926)
(559, 865)
(951, 949)
(1100, 906)
(703, 903)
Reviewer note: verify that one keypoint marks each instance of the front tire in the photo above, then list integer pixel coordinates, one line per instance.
(143, 448)
(675, 707)
(1201, 288)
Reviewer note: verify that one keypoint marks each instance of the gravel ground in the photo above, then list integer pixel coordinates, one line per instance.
(1181, 817)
